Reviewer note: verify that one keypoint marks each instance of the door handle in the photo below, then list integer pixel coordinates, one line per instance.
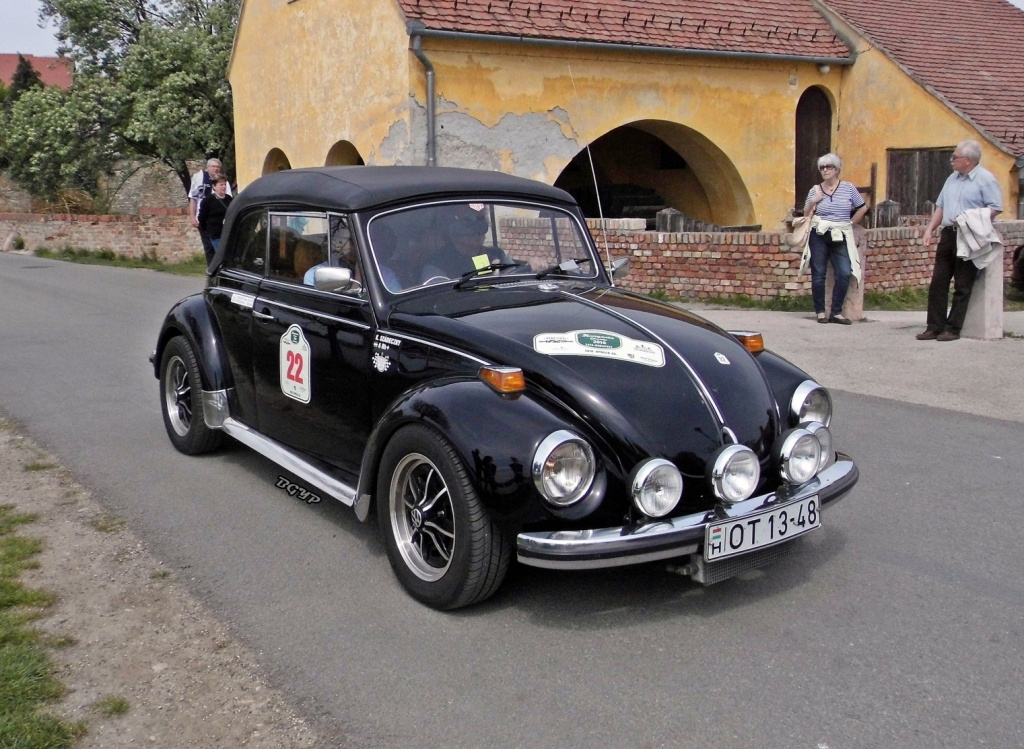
(262, 315)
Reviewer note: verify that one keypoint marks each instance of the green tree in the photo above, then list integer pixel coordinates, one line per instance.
(24, 79)
(149, 85)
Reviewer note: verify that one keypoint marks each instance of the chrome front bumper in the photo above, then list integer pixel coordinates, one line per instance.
(617, 547)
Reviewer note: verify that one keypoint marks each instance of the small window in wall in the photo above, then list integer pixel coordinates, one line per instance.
(249, 248)
(916, 175)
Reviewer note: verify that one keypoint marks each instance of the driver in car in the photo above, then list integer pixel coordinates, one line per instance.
(466, 225)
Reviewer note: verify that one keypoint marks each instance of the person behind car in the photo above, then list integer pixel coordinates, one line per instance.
(211, 212)
(202, 187)
(466, 226)
(833, 207)
(342, 255)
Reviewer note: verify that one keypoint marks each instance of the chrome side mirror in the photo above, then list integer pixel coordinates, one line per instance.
(335, 279)
(620, 268)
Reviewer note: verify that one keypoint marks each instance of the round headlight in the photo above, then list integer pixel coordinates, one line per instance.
(824, 437)
(563, 468)
(735, 473)
(811, 402)
(657, 487)
(798, 456)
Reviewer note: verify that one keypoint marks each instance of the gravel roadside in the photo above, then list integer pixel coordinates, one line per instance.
(136, 631)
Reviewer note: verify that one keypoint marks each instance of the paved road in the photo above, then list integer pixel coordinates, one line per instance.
(897, 625)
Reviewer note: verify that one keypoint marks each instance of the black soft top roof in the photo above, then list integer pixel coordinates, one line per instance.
(357, 188)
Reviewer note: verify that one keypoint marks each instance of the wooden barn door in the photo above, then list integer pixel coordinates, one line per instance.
(813, 139)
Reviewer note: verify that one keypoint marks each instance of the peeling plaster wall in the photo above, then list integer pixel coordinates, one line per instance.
(882, 107)
(308, 74)
(530, 110)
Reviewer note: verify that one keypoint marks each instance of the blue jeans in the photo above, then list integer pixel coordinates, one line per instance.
(823, 249)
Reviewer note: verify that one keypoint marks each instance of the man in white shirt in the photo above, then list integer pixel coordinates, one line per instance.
(202, 186)
(969, 186)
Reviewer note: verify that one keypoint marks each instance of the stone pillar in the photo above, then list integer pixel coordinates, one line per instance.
(985, 312)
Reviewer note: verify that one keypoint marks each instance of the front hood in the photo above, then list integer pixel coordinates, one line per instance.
(660, 379)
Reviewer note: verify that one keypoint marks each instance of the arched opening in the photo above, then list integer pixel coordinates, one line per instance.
(650, 165)
(343, 153)
(813, 139)
(276, 161)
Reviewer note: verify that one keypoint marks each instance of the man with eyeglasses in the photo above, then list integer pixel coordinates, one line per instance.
(969, 186)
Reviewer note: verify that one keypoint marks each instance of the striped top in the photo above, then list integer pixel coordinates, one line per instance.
(840, 205)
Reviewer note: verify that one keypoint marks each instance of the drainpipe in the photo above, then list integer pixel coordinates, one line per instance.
(415, 31)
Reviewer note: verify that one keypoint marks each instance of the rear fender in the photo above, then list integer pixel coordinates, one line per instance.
(193, 318)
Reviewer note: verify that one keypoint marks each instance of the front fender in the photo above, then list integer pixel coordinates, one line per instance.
(494, 435)
(193, 318)
(783, 378)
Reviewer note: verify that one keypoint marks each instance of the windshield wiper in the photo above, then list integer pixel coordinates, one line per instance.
(567, 266)
(485, 269)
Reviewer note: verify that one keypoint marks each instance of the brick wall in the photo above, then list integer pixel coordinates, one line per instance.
(760, 265)
(166, 232)
(690, 265)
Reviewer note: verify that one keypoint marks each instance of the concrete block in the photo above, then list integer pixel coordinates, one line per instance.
(985, 311)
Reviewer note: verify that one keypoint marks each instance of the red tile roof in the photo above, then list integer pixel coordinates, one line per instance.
(53, 71)
(973, 60)
(775, 27)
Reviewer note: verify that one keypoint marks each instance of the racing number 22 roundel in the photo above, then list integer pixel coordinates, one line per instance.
(295, 364)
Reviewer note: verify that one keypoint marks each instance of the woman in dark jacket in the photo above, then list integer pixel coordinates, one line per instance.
(212, 210)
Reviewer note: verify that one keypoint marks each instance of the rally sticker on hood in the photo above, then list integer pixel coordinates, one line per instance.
(600, 343)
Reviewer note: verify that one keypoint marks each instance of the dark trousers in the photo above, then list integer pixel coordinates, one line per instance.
(824, 249)
(208, 248)
(962, 272)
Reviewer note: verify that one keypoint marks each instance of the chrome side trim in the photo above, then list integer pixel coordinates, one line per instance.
(290, 461)
(620, 546)
(434, 344)
(313, 312)
(215, 408)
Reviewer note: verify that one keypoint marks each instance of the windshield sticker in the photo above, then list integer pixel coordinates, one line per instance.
(600, 343)
(295, 364)
(385, 352)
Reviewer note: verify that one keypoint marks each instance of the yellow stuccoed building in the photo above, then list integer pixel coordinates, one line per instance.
(716, 109)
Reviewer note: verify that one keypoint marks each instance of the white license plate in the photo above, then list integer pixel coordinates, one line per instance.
(734, 537)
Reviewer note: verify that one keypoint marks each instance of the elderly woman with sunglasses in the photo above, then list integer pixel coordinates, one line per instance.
(833, 207)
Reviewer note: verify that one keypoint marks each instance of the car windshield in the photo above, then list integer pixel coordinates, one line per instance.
(475, 242)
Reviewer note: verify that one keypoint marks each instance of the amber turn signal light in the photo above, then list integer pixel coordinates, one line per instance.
(504, 379)
(752, 342)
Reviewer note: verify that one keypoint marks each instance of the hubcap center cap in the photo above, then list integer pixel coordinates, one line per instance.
(416, 517)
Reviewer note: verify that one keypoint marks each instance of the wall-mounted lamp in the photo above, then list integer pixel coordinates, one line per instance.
(823, 69)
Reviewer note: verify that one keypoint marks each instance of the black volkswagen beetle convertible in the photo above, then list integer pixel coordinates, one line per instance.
(448, 348)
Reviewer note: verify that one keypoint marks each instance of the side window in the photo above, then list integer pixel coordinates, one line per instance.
(249, 248)
(298, 243)
(343, 248)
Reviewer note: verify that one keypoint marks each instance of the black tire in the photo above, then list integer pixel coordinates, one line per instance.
(442, 545)
(181, 400)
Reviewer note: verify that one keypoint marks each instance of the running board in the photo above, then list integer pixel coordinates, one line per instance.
(290, 461)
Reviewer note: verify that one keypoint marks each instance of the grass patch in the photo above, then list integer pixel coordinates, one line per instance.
(110, 705)
(39, 466)
(194, 266)
(907, 299)
(27, 683)
(160, 575)
(107, 523)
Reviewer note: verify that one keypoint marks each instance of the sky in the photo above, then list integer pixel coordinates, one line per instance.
(20, 32)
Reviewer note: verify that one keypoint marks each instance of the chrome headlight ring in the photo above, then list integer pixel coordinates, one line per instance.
(656, 487)
(810, 402)
(797, 454)
(563, 468)
(824, 437)
(734, 473)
